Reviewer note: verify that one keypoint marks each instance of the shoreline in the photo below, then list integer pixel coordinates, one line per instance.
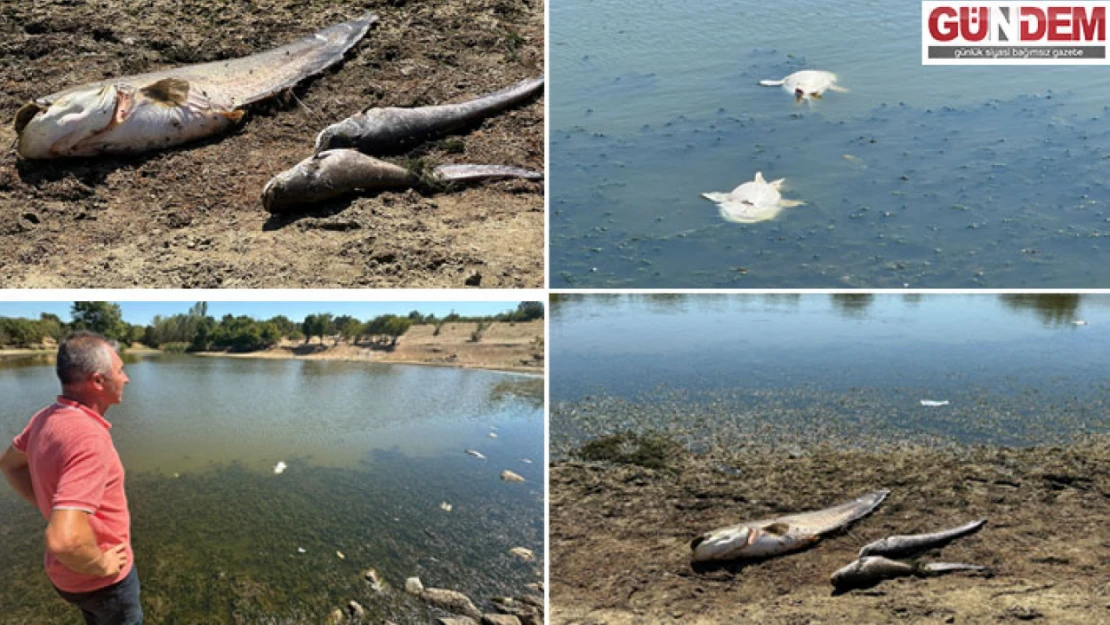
(1047, 509)
(284, 354)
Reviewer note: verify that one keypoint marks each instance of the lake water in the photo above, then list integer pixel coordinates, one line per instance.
(920, 176)
(797, 370)
(372, 451)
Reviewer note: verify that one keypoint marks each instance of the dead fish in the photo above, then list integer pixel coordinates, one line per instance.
(777, 536)
(385, 130)
(162, 109)
(509, 476)
(476, 454)
(868, 571)
(335, 173)
(905, 546)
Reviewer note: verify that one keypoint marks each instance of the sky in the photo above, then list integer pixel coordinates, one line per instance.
(141, 313)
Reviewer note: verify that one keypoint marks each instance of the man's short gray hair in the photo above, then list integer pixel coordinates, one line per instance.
(83, 354)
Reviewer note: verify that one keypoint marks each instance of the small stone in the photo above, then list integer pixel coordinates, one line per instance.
(414, 586)
(336, 617)
(456, 620)
(339, 554)
(474, 279)
(509, 476)
(500, 619)
(446, 507)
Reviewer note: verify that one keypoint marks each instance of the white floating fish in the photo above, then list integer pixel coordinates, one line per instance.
(476, 454)
(753, 201)
(280, 467)
(301, 550)
(446, 507)
(1079, 322)
(493, 434)
(806, 84)
(933, 402)
(509, 476)
(339, 554)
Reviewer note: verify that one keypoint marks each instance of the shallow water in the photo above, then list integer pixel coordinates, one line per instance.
(372, 451)
(841, 369)
(926, 177)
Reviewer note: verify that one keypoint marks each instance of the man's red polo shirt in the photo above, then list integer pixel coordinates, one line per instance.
(74, 465)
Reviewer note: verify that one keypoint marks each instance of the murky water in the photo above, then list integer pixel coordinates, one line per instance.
(372, 452)
(841, 369)
(920, 176)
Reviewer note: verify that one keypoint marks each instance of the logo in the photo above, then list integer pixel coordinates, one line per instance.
(1013, 33)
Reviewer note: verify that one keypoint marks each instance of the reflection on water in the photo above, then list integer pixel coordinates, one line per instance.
(372, 452)
(721, 369)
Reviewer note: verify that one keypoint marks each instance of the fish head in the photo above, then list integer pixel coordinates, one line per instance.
(722, 544)
(56, 129)
(345, 134)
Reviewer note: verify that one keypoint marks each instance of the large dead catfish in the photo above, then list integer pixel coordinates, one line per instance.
(392, 129)
(754, 540)
(162, 109)
(335, 173)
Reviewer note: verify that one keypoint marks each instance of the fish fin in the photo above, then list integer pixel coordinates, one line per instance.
(25, 114)
(715, 197)
(759, 177)
(171, 91)
(235, 116)
(776, 529)
(790, 203)
(778, 183)
(839, 89)
(817, 95)
(771, 83)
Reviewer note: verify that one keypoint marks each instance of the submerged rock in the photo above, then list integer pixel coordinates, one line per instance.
(356, 610)
(452, 601)
(414, 586)
(523, 553)
(377, 582)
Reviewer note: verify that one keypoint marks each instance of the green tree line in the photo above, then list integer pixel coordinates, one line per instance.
(197, 331)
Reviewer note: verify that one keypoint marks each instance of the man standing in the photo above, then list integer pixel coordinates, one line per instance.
(64, 462)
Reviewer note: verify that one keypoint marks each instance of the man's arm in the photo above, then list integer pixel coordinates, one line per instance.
(13, 463)
(70, 538)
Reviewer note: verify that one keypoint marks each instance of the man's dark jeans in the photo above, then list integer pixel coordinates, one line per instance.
(117, 604)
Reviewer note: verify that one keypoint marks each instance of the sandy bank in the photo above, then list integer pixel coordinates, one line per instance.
(504, 347)
(620, 536)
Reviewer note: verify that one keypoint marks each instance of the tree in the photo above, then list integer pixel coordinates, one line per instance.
(103, 318)
(527, 311)
(348, 327)
(308, 326)
(52, 326)
(396, 326)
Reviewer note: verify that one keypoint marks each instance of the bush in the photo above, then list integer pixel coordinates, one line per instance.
(650, 450)
(174, 348)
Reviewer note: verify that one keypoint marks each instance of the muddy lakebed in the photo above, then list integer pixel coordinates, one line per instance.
(192, 216)
(670, 445)
(918, 177)
(371, 454)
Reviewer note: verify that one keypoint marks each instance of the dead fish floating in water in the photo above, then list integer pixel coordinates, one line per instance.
(772, 537)
(752, 202)
(336, 173)
(391, 129)
(807, 84)
(167, 108)
(871, 570)
(906, 546)
(476, 454)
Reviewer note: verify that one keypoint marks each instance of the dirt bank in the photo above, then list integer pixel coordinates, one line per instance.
(620, 534)
(503, 346)
(192, 217)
